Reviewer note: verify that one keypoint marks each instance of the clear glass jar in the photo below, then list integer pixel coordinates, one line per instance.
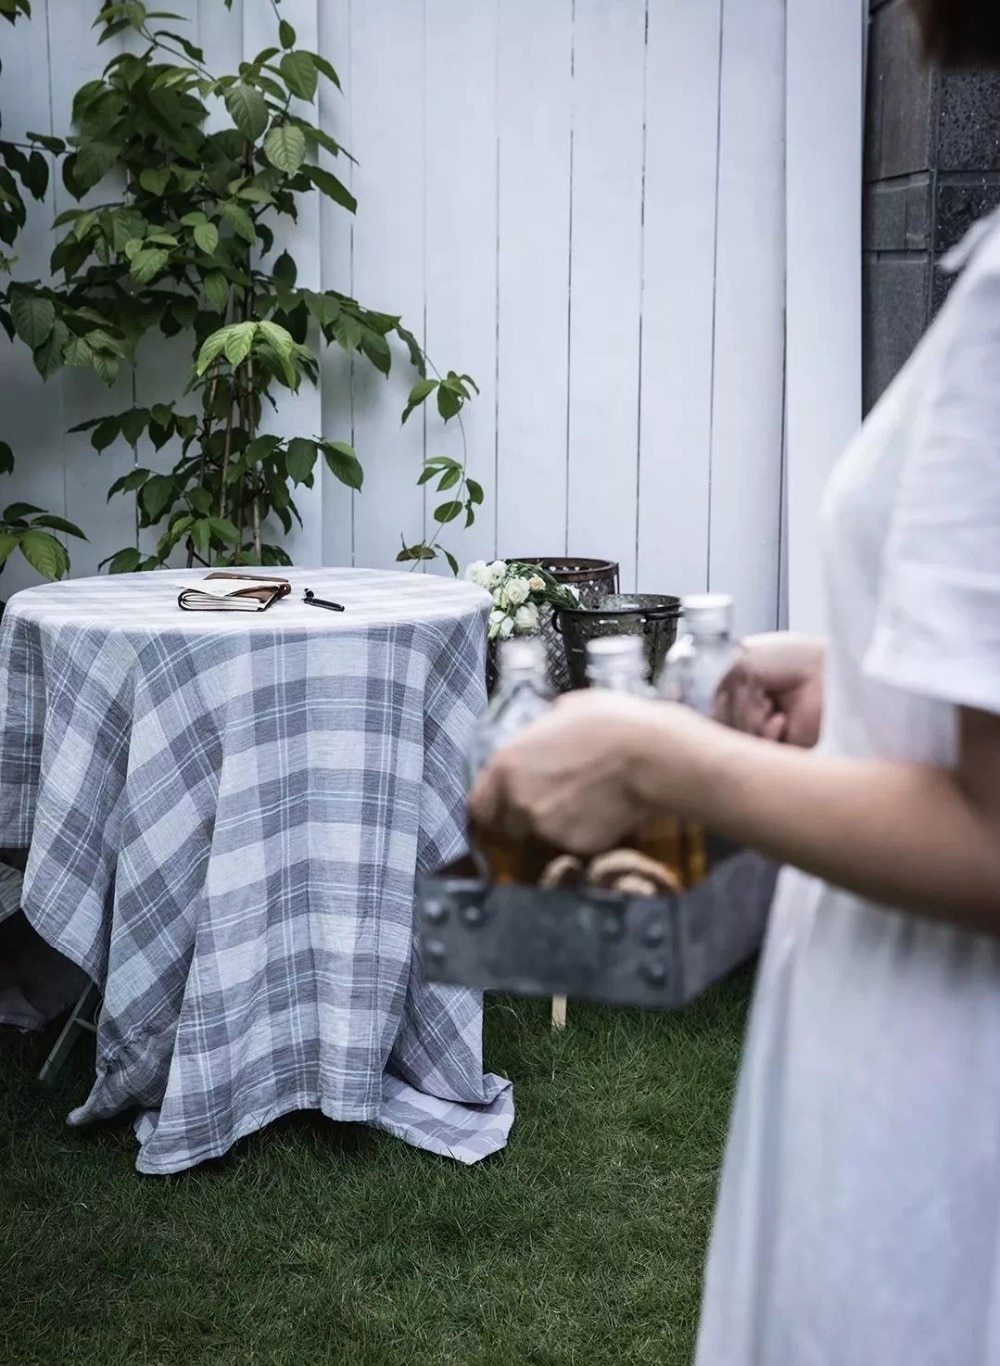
(522, 696)
(619, 664)
(694, 668)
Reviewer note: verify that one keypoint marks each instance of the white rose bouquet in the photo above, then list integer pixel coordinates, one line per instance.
(519, 592)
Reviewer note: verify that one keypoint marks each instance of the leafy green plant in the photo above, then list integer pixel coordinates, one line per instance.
(24, 527)
(181, 251)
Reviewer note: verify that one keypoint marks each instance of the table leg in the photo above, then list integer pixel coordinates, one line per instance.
(80, 1019)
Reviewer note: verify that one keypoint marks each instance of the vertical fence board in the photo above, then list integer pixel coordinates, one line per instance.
(337, 269)
(824, 78)
(461, 253)
(682, 124)
(387, 58)
(534, 102)
(609, 64)
(745, 523)
(301, 413)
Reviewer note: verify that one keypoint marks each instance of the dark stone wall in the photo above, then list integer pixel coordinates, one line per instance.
(932, 166)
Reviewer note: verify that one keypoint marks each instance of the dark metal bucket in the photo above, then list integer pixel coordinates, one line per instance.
(654, 616)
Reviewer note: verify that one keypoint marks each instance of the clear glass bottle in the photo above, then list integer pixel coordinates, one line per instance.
(695, 666)
(522, 696)
(619, 663)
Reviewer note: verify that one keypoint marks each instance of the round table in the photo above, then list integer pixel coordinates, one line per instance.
(224, 814)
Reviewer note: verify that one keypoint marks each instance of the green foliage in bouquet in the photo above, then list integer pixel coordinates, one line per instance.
(179, 248)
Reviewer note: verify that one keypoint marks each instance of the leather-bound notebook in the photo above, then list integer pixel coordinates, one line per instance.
(225, 592)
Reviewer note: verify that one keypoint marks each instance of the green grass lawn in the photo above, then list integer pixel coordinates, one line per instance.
(583, 1242)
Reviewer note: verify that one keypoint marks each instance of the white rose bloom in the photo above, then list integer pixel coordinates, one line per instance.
(517, 591)
(536, 584)
(497, 572)
(478, 573)
(506, 628)
(526, 619)
(497, 618)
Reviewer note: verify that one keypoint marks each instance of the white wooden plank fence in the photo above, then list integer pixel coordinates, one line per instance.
(582, 203)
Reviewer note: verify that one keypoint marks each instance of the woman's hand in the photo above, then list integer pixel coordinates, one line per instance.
(906, 835)
(593, 769)
(777, 690)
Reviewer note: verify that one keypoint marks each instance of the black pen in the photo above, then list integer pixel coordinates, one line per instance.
(313, 601)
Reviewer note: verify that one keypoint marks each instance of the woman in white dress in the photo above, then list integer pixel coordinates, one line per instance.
(858, 1218)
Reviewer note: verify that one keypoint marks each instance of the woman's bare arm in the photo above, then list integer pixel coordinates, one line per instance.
(907, 835)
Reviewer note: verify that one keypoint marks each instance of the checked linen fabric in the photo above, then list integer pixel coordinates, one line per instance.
(224, 814)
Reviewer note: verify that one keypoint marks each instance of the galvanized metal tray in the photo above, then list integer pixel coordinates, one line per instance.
(656, 952)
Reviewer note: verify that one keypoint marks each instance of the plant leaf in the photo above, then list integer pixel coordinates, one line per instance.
(247, 109)
(447, 512)
(104, 433)
(8, 542)
(125, 562)
(325, 67)
(300, 459)
(239, 343)
(44, 553)
(36, 175)
(156, 495)
(285, 147)
(416, 552)
(133, 424)
(418, 394)
(224, 529)
(285, 272)
(49, 519)
(128, 482)
(78, 351)
(449, 403)
(286, 34)
(33, 318)
(148, 263)
(216, 288)
(211, 348)
(344, 464)
(154, 179)
(299, 72)
(207, 237)
(333, 188)
(280, 339)
(242, 223)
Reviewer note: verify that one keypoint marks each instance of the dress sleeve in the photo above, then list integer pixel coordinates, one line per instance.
(937, 629)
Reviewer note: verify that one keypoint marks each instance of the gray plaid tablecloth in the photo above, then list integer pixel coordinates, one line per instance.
(225, 813)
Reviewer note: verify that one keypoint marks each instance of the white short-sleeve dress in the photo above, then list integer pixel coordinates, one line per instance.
(858, 1220)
